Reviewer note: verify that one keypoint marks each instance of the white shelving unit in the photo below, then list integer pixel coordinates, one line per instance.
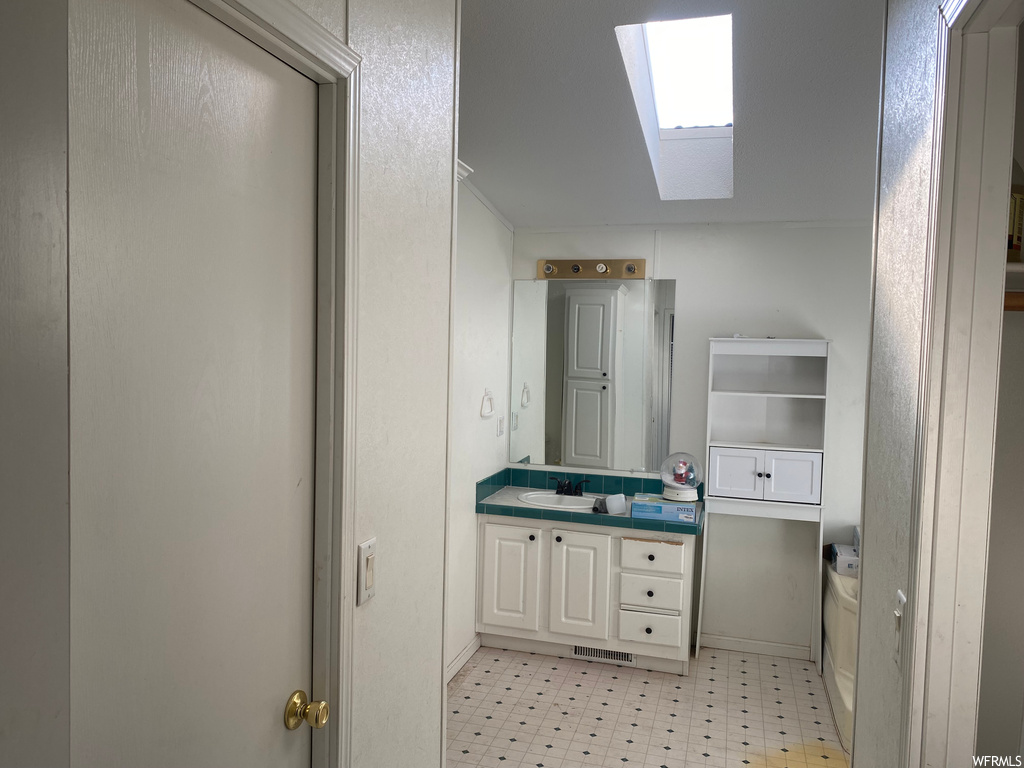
(766, 445)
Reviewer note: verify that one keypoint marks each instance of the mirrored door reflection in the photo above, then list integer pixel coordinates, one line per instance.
(591, 375)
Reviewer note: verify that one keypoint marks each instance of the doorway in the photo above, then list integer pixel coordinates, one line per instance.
(210, 209)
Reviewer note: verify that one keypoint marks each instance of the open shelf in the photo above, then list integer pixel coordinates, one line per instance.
(767, 422)
(817, 448)
(736, 393)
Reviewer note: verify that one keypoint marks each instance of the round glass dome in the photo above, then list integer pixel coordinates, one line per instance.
(681, 474)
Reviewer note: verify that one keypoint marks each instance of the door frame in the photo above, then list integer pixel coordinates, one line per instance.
(975, 92)
(285, 31)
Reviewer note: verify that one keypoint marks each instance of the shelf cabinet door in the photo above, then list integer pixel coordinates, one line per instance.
(580, 576)
(511, 577)
(736, 472)
(792, 476)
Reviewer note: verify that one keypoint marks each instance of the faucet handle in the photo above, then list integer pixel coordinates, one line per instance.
(579, 487)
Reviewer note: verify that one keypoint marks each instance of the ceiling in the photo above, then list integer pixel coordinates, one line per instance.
(548, 123)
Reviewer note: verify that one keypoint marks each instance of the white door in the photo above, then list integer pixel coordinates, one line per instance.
(590, 329)
(587, 424)
(580, 574)
(736, 472)
(792, 476)
(192, 175)
(511, 577)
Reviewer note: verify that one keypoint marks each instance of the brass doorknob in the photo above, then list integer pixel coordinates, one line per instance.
(300, 708)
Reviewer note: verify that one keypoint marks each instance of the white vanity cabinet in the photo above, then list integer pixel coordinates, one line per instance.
(510, 577)
(588, 591)
(579, 584)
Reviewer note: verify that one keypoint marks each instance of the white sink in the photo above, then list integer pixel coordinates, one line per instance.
(551, 500)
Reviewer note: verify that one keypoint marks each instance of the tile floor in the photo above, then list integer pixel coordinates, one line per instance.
(512, 709)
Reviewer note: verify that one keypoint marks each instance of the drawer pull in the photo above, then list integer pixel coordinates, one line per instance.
(651, 558)
(648, 630)
(650, 593)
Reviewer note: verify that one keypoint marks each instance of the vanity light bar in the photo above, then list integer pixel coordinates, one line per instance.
(592, 269)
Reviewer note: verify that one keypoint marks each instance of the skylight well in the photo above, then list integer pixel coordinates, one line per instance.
(680, 73)
(691, 71)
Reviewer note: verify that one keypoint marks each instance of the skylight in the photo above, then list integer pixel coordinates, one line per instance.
(691, 71)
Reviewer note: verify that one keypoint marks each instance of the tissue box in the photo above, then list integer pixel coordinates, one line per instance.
(667, 511)
(846, 559)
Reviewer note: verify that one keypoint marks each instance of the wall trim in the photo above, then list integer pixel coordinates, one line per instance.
(488, 204)
(460, 661)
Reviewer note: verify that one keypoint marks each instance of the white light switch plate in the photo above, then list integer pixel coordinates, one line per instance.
(366, 572)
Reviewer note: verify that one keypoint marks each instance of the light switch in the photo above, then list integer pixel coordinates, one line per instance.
(365, 572)
(501, 426)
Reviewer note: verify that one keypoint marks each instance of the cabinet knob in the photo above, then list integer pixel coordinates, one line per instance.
(768, 475)
(651, 558)
(558, 538)
(532, 537)
(650, 593)
(604, 386)
(648, 630)
(760, 474)
(604, 374)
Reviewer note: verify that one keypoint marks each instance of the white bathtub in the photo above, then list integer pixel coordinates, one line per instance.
(839, 614)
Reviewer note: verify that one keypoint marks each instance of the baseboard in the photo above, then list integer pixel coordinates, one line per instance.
(565, 651)
(460, 661)
(785, 650)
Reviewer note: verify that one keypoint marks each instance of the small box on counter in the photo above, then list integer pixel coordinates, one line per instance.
(661, 509)
(846, 559)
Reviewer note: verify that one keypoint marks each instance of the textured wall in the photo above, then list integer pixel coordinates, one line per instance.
(329, 13)
(910, 51)
(34, 630)
(480, 359)
(759, 280)
(406, 176)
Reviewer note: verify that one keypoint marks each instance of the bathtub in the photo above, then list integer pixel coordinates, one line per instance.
(839, 615)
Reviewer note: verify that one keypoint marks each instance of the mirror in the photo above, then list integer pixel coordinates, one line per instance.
(591, 377)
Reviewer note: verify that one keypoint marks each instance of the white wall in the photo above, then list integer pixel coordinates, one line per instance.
(480, 360)
(407, 161)
(759, 280)
(1001, 696)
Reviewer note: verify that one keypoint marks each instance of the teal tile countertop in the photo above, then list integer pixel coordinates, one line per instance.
(506, 502)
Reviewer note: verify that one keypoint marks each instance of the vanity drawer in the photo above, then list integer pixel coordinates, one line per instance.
(654, 556)
(653, 628)
(650, 591)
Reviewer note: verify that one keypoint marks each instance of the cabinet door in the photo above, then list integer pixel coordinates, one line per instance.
(736, 473)
(792, 476)
(511, 571)
(590, 328)
(580, 574)
(587, 424)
